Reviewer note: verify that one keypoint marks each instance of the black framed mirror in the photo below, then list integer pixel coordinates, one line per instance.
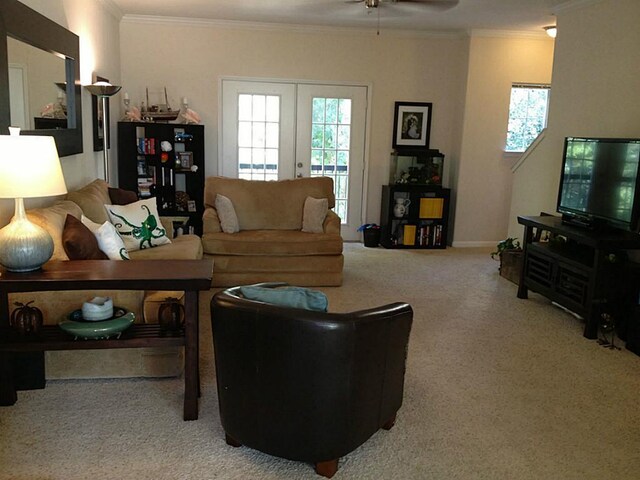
(52, 106)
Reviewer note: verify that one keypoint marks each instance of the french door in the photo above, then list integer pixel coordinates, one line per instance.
(278, 130)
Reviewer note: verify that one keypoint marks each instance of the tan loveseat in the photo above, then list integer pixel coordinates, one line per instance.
(90, 201)
(270, 245)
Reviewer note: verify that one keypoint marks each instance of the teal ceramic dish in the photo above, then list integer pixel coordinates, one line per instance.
(97, 330)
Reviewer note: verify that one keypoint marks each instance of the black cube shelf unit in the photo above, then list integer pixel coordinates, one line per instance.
(425, 223)
(145, 168)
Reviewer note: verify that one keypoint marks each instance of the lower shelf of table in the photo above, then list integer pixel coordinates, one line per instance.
(53, 338)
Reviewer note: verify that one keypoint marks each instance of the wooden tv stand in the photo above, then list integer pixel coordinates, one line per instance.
(589, 273)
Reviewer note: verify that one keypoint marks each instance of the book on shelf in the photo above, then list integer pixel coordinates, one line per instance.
(437, 236)
(144, 186)
(142, 165)
(147, 146)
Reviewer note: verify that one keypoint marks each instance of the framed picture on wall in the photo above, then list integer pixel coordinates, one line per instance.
(411, 125)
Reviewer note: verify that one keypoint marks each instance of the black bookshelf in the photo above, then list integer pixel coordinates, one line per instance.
(175, 177)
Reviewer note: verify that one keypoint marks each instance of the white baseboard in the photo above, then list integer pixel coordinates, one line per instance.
(474, 244)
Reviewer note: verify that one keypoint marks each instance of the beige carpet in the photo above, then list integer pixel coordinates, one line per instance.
(496, 388)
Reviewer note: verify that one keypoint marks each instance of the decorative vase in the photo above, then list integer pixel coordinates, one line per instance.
(171, 315)
(401, 207)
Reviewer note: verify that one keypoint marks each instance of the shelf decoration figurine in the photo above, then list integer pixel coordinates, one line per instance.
(187, 115)
(25, 319)
(401, 207)
(131, 114)
(29, 168)
(160, 112)
(171, 315)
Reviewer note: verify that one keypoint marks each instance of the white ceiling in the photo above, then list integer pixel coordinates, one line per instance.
(505, 15)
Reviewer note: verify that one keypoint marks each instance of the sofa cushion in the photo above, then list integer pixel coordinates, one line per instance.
(52, 219)
(272, 242)
(272, 264)
(269, 205)
(227, 215)
(313, 215)
(91, 199)
(182, 247)
(139, 224)
(120, 196)
(79, 242)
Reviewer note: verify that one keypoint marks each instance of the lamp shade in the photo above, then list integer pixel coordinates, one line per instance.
(30, 167)
(103, 89)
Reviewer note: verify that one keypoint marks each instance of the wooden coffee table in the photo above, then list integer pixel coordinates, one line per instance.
(191, 276)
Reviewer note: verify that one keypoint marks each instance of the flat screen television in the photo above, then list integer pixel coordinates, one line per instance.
(600, 182)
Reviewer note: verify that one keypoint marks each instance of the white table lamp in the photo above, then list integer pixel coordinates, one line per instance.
(29, 167)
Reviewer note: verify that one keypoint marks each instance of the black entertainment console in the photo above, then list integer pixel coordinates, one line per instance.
(586, 271)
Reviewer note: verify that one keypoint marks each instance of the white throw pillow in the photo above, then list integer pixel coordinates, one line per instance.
(227, 214)
(314, 213)
(90, 224)
(138, 224)
(110, 242)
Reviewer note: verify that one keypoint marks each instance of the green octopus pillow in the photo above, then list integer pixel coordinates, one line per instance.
(138, 224)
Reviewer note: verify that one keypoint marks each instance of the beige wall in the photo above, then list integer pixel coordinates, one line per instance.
(595, 92)
(100, 52)
(190, 59)
(485, 178)
(456, 74)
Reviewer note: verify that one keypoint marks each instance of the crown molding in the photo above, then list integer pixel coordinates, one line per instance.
(283, 27)
(541, 35)
(112, 8)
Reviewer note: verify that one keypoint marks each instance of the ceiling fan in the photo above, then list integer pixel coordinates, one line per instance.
(374, 5)
(438, 4)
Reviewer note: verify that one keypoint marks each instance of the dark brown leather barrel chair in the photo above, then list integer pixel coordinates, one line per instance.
(306, 385)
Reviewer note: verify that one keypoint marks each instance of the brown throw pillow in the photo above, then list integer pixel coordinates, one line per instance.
(79, 242)
(120, 196)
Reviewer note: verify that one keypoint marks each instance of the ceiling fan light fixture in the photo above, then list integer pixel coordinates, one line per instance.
(551, 30)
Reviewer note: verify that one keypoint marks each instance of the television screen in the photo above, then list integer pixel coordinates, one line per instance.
(600, 180)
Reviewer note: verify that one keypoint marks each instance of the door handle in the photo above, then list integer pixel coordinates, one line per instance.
(300, 165)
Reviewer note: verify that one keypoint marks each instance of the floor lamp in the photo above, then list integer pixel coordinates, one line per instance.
(104, 90)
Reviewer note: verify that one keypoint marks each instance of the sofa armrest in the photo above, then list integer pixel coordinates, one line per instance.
(210, 221)
(331, 223)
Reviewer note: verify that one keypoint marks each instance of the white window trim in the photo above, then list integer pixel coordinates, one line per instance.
(513, 154)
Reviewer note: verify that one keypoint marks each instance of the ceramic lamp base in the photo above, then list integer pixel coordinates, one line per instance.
(24, 246)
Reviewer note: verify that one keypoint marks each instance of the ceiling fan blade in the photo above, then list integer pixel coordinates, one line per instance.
(432, 4)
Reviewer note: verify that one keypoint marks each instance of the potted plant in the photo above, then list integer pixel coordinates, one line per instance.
(509, 253)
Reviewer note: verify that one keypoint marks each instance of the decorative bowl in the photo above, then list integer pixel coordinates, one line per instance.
(103, 329)
(98, 308)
